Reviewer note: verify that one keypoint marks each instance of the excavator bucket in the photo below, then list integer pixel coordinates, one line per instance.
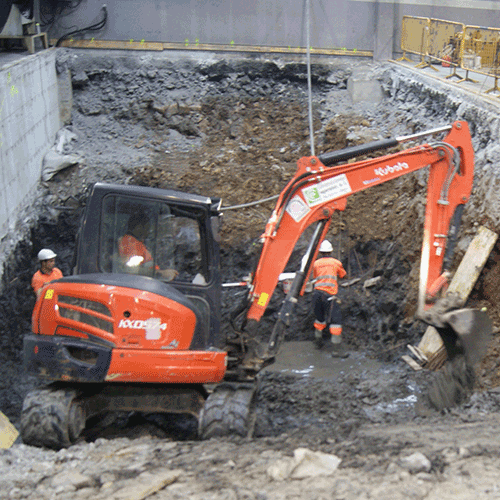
(466, 334)
(472, 333)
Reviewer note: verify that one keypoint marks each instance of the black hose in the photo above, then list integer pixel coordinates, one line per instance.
(94, 27)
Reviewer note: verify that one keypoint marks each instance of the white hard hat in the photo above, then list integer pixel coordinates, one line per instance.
(46, 254)
(326, 246)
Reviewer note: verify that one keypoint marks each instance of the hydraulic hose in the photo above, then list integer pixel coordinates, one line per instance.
(94, 27)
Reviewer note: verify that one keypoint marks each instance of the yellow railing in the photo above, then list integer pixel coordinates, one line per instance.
(415, 36)
(469, 48)
(444, 42)
(480, 52)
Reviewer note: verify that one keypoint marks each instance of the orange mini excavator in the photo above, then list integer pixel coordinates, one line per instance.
(138, 325)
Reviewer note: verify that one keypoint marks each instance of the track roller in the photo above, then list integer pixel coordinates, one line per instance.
(52, 417)
(230, 409)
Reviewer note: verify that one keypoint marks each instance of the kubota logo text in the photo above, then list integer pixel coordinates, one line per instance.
(139, 324)
(391, 169)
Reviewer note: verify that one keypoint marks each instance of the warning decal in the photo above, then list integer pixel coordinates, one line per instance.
(336, 187)
(297, 208)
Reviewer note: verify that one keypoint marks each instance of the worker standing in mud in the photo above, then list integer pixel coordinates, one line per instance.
(48, 271)
(326, 271)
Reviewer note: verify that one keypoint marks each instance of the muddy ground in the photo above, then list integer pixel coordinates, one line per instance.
(235, 129)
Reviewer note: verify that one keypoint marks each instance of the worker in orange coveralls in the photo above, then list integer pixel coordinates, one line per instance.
(326, 271)
(134, 252)
(48, 271)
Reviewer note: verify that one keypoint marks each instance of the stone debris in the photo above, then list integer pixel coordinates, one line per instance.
(8, 433)
(146, 484)
(304, 463)
(415, 463)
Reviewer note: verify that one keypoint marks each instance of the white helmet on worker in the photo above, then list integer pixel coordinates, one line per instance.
(326, 246)
(46, 254)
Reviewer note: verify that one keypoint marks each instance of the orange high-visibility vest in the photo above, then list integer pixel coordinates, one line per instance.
(39, 279)
(325, 272)
(129, 246)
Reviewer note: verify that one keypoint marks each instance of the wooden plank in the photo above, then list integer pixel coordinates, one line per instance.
(438, 360)
(419, 355)
(112, 44)
(350, 282)
(148, 486)
(431, 342)
(473, 262)
(158, 46)
(461, 284)
(410, 361)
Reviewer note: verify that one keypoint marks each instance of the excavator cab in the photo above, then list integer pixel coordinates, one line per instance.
(166, 235)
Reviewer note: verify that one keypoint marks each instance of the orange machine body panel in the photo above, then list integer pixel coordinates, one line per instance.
(190, 367)
(148, 335)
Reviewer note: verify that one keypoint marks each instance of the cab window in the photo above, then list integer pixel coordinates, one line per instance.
(152, 238)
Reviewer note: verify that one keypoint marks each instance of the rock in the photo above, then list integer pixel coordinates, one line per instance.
(79, 79)
(147, 484)
(415, 463)
(305, 463)
(71, 479)
(371, 282)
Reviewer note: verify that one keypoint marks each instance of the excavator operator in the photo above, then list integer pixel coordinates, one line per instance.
(326, 271)
(133, 251)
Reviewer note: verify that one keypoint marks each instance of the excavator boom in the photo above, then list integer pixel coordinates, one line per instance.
(317, 191)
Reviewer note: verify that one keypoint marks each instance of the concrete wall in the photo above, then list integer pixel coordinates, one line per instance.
(29, 120)
(354, 24)
(334, 23)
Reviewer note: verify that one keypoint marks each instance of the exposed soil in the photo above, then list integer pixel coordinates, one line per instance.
(238, 135)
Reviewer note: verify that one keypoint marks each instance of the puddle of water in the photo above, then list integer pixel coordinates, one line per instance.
(397, 404)
(303, 359)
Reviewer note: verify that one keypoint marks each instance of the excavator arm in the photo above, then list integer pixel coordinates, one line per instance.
(319, 188)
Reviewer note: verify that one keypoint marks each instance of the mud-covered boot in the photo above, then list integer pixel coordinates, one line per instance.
(318, 339)
(338, 350)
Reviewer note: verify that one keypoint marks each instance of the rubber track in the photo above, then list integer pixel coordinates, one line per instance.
(45, 418)
(228, 411)
(453, 384)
